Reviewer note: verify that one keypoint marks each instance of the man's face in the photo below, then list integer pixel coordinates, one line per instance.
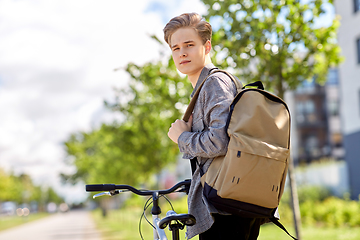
(188, 51)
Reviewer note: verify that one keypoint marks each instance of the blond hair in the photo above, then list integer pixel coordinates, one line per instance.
(193, 20)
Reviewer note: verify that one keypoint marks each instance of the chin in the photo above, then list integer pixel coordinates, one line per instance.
(187, 69)
(182, 70)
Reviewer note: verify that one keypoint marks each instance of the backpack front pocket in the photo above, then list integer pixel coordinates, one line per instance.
(252, 177)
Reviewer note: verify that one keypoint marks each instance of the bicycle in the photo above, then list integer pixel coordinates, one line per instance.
(175, 221)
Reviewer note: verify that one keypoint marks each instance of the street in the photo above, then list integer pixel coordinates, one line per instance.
(73, 225)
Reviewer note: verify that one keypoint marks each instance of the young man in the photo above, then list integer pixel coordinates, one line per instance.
(204, 136)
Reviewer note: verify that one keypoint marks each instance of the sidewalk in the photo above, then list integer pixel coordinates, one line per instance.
(74, 225)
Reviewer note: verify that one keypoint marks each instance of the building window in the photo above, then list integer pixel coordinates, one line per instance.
(332, 78)
(333, 107)
(312, 146)
(307, 87)
(306, 112)
(357, 5)
(358, 49)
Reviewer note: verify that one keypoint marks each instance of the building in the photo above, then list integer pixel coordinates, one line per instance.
(335, 135)
(349, 75)
(316, 132)
(311, 122)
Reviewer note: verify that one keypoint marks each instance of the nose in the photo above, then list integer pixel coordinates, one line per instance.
(183, 54)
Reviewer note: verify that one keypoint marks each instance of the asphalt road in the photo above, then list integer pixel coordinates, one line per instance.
(73, 225)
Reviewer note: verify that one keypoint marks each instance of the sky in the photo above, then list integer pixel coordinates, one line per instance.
(57, 61)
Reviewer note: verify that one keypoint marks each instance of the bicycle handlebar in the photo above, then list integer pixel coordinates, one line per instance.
(113, 187)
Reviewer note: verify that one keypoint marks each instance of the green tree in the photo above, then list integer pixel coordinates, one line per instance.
(12, 187)
(6, 184)
(21, 189)
(129, 151)
(277, 41)
(51, 196)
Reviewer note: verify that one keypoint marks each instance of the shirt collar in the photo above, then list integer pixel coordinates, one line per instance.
(204, 73)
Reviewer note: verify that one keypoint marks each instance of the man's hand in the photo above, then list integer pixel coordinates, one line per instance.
(178, 127)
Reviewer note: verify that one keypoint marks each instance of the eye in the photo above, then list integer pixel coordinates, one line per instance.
(190, 45)
(175, 49)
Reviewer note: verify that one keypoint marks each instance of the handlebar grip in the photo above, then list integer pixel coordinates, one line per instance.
(100, 187)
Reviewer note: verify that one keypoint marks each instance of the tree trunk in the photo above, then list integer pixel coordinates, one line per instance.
(104, 207)
(294, 200)
(293, 189)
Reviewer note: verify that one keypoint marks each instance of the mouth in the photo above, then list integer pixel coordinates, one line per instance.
(184, 62)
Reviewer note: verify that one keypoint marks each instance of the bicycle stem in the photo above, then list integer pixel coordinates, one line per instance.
(155, 210)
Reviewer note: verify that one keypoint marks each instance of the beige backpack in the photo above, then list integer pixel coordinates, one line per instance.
(249, 180)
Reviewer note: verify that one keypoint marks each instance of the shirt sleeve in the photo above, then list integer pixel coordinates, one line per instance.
(215, 97)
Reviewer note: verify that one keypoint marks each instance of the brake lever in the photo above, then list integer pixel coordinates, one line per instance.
(184, 189)
(110, 193)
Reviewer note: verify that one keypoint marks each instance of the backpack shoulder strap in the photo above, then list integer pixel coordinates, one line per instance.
(237, 83)
(191, 105)
(277, 223)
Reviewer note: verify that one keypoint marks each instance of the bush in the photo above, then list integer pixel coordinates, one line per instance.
(308, 193)
(318, 207)
(333, 212)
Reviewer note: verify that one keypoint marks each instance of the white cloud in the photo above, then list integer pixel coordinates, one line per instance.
(57, 61)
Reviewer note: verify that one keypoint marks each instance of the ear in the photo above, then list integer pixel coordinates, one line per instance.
(207, 47)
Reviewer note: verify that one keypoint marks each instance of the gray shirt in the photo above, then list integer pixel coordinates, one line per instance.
(207, 140)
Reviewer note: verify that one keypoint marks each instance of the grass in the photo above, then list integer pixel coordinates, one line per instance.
(123, 224)
(13, 221)
(271, 232)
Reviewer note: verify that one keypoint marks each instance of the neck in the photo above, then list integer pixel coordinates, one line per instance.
(193, 78)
